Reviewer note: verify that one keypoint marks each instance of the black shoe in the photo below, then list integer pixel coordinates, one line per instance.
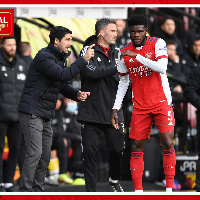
(37, 189)
(2, 189)
(116, 187)
(11, 189)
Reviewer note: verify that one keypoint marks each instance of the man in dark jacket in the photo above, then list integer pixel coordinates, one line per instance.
(167, 31)
(100, 78)
(191, 58)
(47, 77)
(192, 94)
(13, 71)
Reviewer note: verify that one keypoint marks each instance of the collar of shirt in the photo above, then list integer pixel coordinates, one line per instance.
(105, 50)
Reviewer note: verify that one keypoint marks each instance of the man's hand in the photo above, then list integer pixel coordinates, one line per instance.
(114, 119)
(82, 96)
(128, 53)
(89, 53)
(174, 58)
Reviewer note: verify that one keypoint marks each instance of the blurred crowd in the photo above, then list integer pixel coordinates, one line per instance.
(66, 164)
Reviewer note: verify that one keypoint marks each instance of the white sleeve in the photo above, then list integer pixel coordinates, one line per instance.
(122, 69)
(122, 88)
(160, 65)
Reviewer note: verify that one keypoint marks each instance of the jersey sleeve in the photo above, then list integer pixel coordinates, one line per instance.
(160, 49)
(122, 69)
(161, 58)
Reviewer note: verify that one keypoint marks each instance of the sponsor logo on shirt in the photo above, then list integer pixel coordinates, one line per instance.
(163, 48)
(140, 71)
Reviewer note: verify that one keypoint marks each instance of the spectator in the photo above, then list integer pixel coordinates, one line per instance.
(24, 51)
(47, 76)
(59, 144)
(13, 75)
(72, 132)
(122, 33)
(174, 69)
(192, 94)
(101, 79)
(167, 32)
(191, 58)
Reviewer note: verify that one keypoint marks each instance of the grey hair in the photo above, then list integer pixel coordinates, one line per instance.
(102, 23)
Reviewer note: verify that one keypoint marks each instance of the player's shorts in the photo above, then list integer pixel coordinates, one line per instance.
(141, 123)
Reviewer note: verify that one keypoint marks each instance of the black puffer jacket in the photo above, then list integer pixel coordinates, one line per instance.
(101, 79)
(47, 77)
(12, 78)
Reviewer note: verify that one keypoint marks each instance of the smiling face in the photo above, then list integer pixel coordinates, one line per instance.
(138, 35)
(64, 44)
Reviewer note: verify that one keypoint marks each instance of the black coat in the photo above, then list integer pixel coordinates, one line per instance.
(101, 79)
(47, 77)
(12, 79)
(192, 89)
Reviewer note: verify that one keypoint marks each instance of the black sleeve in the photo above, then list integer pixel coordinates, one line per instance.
(68, 91)
(49, 66)
(192, 89)
(92, 71)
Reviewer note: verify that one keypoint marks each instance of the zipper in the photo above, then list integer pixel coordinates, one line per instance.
(14, 86)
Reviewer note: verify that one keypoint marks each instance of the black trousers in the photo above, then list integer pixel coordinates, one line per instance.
(13, 132)
(59, 145)
(114, 142)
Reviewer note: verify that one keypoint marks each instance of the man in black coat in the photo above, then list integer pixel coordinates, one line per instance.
(100, 78)
(47, 77)
(191, 58)
(192, 94)
(13, 71)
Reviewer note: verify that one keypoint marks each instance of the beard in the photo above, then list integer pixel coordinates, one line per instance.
(9, 54)
(141, 43)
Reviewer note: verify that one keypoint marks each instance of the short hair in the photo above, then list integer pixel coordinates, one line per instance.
(58, 32)
(170, 42)
(24, 47)
(196, 39)
(102, 23)
(137, 19)
(5, 38)
(165, 19)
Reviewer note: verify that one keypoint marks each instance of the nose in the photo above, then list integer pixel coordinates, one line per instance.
(70, 43)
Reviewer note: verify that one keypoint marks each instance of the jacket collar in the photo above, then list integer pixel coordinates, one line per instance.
(93, 40)
(61, 55)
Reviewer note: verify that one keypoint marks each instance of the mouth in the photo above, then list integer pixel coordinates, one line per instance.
(137, 40)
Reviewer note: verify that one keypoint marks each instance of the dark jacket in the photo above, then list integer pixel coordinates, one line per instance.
(47, 76)
(101, 79)
(12, 78)
(161, 34)
(192, 89)
(189, 61)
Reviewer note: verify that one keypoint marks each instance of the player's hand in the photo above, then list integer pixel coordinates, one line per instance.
(89, 53)
(114, 119)
(128, 53)
(82, 96)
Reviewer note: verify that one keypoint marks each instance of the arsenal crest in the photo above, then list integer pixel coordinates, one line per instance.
(148, 55)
